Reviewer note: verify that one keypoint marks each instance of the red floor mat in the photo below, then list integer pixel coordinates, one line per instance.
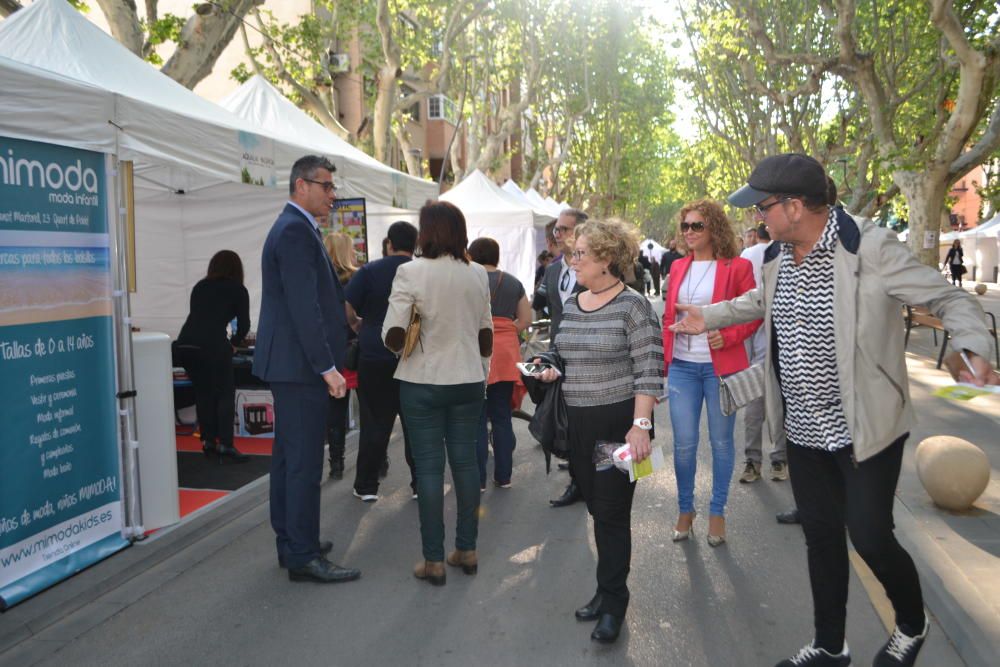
(193, 499)
(256, 446)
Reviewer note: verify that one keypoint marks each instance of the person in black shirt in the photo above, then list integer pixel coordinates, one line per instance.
(378, 391)
(206, 352)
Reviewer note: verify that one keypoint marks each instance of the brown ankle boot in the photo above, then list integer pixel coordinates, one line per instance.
(466, 560)
(432, 571)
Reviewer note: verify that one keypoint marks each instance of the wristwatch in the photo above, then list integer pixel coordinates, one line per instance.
(643, 423)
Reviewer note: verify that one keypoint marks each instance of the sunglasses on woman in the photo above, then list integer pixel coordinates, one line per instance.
(693, 226)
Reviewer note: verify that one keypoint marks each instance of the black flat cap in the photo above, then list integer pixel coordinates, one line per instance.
(788, 173)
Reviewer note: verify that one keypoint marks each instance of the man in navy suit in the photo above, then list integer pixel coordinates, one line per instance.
(301, 342)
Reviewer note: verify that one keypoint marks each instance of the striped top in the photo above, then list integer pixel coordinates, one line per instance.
(612, 353)
(802, 314)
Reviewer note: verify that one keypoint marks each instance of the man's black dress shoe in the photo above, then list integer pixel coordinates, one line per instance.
(590, 611)
(231, 453)
(607, 629)
(569, 496)
(789, 517)
(325, 547)
(323, 571)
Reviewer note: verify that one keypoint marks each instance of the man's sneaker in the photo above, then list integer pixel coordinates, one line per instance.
(901, 650)
(365, 497)
(810, 656)
(751, 473)
(779, 471)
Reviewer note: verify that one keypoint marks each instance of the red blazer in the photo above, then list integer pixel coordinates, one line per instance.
(733, 277)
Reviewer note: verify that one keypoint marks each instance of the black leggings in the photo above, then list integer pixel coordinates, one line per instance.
(831, 491)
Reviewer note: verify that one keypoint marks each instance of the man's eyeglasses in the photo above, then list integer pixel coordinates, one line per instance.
(693, 226)
(559, 230)
(327, 186)
(761, 210)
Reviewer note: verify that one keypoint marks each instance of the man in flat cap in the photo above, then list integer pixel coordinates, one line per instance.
(836, 385)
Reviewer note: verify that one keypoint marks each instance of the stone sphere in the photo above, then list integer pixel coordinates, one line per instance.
(981, 289)
(953, 471)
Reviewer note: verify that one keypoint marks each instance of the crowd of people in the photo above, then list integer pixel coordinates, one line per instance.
(432, 333)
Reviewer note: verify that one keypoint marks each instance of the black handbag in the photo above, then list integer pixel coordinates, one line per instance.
(550, 423)
(353, 355)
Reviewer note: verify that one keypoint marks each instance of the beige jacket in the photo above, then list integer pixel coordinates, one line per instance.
(453, 299)
(874, 274)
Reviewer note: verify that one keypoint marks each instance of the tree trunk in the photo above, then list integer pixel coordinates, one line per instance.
(382, 116)
(202, 41)
(123, 19)
(924, 193)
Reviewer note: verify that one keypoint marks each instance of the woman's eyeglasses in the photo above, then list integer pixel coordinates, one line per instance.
(693, 226)
(578, 254)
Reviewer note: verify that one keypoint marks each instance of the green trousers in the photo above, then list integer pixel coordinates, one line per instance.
(439, 419)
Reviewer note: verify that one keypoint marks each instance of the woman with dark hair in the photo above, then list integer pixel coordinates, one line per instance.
(206, 352)
(511, 315)
(710, 272)
(442, 380)
(955, 259)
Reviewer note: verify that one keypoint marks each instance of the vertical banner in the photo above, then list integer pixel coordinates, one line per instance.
(349, 216)
(60, 498)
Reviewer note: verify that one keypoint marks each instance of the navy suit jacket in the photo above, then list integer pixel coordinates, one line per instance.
(303, 327)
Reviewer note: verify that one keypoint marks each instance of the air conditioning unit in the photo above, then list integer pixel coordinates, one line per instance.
(340, 62)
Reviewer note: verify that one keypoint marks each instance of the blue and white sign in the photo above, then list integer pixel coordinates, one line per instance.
(60, 499)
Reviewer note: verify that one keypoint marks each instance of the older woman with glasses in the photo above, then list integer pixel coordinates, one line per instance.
(711, 272)
(609, 342)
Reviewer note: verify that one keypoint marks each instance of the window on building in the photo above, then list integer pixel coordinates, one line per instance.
(439, 107)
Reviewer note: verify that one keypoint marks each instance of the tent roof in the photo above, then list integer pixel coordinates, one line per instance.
(175, 137)
(477, 193)
(512, 187)
(989, 228)
(260, 103)
(52, 35)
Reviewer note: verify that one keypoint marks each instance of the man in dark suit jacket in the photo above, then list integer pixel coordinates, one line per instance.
(301, 342)
(560, 283)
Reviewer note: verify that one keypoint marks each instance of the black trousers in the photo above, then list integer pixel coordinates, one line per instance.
(378, 399)
(831, 492)
(608, 495)
(654, 270)
(336, 425)
(211, 374)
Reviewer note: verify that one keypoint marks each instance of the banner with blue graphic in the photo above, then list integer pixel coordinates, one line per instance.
(60, 500)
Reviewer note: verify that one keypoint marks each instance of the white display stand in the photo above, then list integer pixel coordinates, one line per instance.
(154, 406)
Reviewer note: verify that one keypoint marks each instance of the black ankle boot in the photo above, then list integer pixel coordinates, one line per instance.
(607, 629)
(337, 468)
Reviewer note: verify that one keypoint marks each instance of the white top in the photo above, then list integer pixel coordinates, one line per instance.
(570, 282)
(696, 288)
(756, 344)
(453, 299)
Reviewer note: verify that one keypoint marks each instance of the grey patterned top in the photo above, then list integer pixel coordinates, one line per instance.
(807, 351)
(612, 353)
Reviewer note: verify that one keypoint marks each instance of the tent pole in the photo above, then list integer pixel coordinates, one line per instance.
(124, 209)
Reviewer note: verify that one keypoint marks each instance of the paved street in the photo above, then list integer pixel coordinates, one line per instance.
(210, 591)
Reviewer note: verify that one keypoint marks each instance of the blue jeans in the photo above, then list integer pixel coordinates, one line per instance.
(689, 385)
(496, 410)
(439, 419)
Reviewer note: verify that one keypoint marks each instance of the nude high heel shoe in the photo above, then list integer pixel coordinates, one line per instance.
(681, 535)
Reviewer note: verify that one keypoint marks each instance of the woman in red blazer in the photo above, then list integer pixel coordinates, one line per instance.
(711, 272)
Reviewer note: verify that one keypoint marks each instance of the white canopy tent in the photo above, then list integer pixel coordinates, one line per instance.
(554, 207)
(982, 247)
(188, 153)
(491, 212)
(261, 104)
